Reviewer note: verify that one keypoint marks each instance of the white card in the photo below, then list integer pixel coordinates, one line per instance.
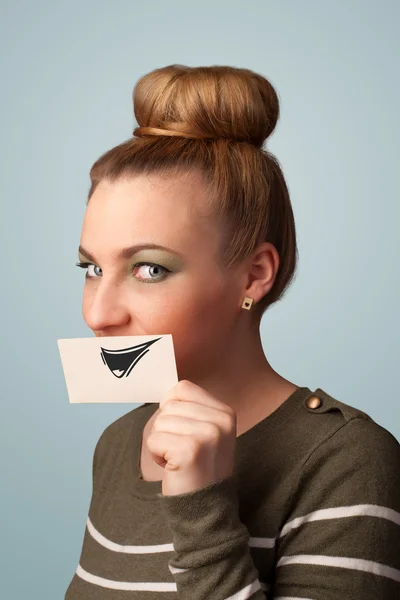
(135, 368)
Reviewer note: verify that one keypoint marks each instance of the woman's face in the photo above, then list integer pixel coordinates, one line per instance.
(177, 286)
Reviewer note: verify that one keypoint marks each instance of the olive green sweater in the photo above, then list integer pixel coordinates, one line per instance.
(312, 511)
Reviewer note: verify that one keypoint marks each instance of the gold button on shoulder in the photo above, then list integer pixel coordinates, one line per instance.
(313, 402)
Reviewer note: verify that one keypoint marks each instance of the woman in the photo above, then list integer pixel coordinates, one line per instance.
(239, 484)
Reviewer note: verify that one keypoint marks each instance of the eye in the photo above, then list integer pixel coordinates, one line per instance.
(86, 265)
(153, 269)
(156, 272)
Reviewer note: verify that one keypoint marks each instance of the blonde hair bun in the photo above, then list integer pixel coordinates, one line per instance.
(206, 103)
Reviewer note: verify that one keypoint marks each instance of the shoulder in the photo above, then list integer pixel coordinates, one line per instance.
(335, 420)
(324, 425)
(351, 451)
(347, 459)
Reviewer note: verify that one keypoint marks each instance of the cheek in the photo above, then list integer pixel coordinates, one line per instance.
(199, 322)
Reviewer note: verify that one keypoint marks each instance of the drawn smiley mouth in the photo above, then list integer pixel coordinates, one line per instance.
(121, 362)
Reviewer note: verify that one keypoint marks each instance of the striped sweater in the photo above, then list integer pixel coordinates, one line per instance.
(311, 512)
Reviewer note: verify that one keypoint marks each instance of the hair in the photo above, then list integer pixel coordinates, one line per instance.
(214, 120)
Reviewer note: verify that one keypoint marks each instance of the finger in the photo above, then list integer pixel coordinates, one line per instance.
(177, 450)
(190, 392)
(192, 428)
(198, 412)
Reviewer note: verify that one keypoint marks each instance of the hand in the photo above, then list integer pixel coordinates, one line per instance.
(193, 438)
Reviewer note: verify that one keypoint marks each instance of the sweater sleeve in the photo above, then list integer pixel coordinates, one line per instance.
(211, 559)
(342, 538)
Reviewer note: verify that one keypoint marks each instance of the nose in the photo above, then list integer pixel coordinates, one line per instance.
(105, 307)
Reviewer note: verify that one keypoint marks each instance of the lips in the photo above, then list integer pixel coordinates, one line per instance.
(121, 361)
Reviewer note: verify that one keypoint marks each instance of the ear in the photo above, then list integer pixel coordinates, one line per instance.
(262, 268)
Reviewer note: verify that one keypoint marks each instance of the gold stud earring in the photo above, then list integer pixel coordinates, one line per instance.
(247, 302)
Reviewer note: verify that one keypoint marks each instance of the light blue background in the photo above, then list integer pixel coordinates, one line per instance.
(67, 74)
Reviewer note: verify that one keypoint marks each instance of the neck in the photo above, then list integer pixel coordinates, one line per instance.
(246, 382)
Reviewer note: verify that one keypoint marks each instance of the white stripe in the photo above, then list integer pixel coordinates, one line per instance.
(154, 586)
(343, 562)
(103, 541)
(339, 512)
(365, 510)
(175, 570)
(126, 585)
(255, 542)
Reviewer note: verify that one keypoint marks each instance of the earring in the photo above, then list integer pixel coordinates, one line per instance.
(247, 302)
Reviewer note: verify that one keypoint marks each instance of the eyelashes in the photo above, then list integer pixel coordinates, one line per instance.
(86, 265)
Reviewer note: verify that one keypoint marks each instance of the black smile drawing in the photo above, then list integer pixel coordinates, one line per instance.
(121, 362)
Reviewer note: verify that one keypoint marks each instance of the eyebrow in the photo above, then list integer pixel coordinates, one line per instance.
(126, 253)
